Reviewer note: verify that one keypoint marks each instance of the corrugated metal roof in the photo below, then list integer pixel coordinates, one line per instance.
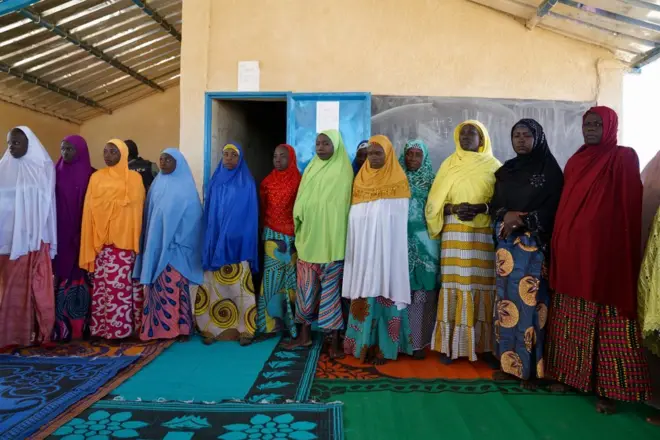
(77, 59)
(630, 29)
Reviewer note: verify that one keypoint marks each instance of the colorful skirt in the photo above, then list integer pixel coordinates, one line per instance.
(116, 297)
(421, 315)
(464, 321)
(27, 304)
(591, 347)
(318, 296)
(521, 308)
(72, 308)
(225, 306)
(375, 324)
(278, 288)
(167, 312)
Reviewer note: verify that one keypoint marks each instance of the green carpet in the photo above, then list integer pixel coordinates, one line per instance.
(417, 409)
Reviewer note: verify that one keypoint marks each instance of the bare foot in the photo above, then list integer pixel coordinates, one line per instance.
(559, 388)
(245, 340)
(336, 353)
(654, 420)
(379, 360)
(298, 342)
(502, 376)
(183, 338)
(530, 385)
(605, 406)
(208, 341)
(419, 355)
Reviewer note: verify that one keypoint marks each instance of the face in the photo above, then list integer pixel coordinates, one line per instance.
(522, 140)
(230, 158)
(167, 163)
(360, 157)
(592, 129)
(281, 158)
(324, 147)
(17, 143)
(68, 151)
(111, 155)
(376, 156)
(470, 138)
(413, 159)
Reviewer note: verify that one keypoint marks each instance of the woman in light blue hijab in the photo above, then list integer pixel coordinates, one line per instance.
(170, 257)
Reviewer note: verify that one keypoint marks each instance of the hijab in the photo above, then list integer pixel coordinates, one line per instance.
(423, 252)
(530, 183)
(278, 194)
(464, 177)
(231, 217)
(363, 144)
(388, 182)
(112, 214)
(71, 180)
(27, 196)
(172, 226)
(320, 213)
(596, 243)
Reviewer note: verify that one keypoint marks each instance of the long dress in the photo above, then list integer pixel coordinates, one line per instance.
(649, 290)
(110, 241)
(170, 258)
(28, 242)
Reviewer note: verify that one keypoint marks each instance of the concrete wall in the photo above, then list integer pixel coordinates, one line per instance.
(420, 47)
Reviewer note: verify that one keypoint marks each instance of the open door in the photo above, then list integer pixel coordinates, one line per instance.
(354, 121)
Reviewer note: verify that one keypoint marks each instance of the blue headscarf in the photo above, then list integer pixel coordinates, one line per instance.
(231, 216)
(361, 145)
(172, 226)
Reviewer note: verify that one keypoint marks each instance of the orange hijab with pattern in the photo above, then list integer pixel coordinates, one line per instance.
(277, 194)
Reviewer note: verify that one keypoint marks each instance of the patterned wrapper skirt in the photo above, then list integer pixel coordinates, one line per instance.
(464, 321)
(421, 314)
(278, 288)
(318, 298)
(591, 347)
(72, 308)
(225, 306)
(116, 297)
(521, 309)
(375, 324)
(167, 312)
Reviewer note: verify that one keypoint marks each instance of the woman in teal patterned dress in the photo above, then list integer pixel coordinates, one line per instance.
(423, 252)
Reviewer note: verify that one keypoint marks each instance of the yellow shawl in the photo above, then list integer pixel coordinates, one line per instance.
(388, 182)
(464, 177)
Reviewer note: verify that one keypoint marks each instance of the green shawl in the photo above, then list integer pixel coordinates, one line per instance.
(320, 214)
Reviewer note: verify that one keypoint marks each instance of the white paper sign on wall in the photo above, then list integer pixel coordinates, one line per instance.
(248, 76)
(327, 115)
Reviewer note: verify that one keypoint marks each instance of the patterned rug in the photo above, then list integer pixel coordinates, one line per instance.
(227, 421)
(36, 390)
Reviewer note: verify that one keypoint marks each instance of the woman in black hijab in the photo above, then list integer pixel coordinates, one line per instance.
(527, 192)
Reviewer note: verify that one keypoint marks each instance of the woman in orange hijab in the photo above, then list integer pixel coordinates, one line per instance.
(110, 240)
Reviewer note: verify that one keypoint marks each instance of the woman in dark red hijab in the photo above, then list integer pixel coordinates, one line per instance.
(594, 339)
(277, 195)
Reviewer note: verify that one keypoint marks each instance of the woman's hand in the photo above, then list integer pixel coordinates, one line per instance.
(467, 212)
(513, 220)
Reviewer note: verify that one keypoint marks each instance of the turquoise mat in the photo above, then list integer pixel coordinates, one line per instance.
(194, 371)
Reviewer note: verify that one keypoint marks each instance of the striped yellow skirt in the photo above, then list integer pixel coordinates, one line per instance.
(464, 322)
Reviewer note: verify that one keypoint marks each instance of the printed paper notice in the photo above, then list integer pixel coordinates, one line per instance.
(248, 76)
(327, 115)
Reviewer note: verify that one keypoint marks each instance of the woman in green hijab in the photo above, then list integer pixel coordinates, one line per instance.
(320, 218)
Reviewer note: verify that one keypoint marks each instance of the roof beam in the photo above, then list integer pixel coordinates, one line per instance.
(9, 6)
(542, 11)
(52, 87)
(63, 33)
(643, 4)
(647, 58)
(612, 15)
(158, 19)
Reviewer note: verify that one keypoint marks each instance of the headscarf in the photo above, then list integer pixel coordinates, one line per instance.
(71, 180)
(172, 226)
(388, 182)
(27, 200)
(531, 183)
(320, 214)
(464, 177)
(596, 244)
(113, 210)
(133, 152)
(423, 252)
(231, 216)
(363, 144)
(651, 200)
(278, 194)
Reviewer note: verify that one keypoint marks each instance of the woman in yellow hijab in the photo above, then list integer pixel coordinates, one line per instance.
(376, 276)
(110, 240)
(457, 212)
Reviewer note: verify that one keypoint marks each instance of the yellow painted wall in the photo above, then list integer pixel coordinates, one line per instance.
(48, 129)
(153, 123)
(416, 47)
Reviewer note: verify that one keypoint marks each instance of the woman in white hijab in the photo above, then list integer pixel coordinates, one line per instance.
(28, 241)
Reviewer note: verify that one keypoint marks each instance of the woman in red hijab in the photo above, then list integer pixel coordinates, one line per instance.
(594, 338)
(277, 195)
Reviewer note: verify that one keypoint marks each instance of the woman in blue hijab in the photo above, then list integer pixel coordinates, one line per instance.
(170, 257)
(225, 307)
